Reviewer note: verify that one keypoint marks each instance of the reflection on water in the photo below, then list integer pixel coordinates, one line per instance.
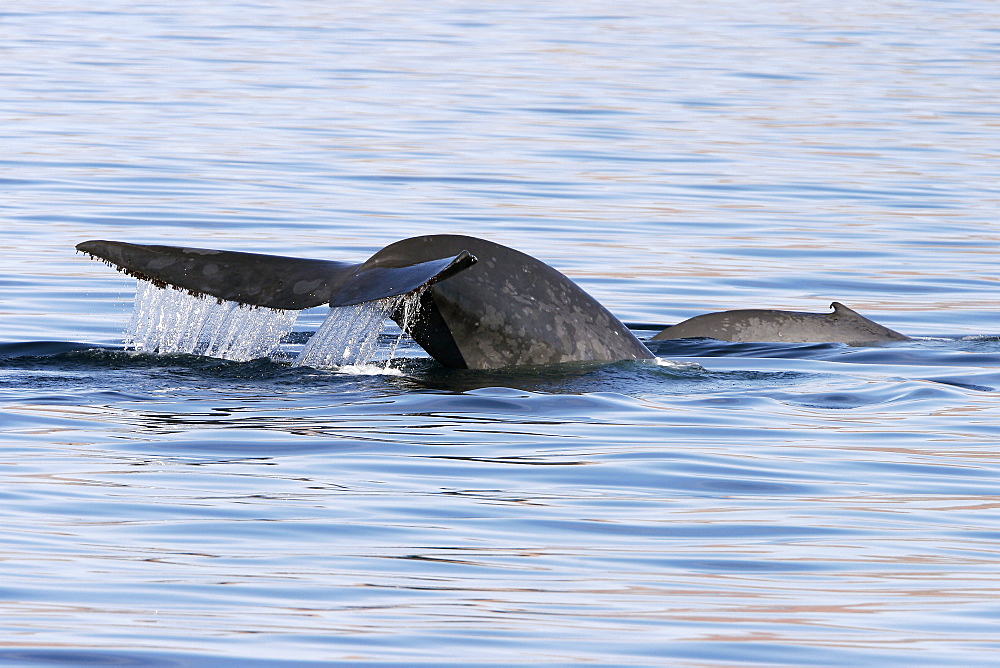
(807, 504)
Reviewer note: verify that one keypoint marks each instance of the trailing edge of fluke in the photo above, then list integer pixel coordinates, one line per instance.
(481, 305)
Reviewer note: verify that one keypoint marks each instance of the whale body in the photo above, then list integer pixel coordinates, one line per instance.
(481, 305)
(842, 325)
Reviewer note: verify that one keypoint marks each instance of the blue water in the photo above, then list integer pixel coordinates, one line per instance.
(735, 504)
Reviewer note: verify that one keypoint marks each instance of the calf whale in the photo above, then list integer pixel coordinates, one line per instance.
(481, 305)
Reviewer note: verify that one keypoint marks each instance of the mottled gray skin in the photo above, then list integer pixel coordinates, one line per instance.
(842, 326)
(510, 310)
(506, 309)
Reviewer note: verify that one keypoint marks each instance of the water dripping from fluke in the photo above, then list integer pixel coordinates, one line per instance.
(348, 340)
(169, 321)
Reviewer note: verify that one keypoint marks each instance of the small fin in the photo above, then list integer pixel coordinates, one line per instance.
(867, 330)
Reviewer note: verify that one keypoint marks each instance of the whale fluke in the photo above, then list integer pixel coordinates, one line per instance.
(843, 325)
(482, 305)
(274, 281)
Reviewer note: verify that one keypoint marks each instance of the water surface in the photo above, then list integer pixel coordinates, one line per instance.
(731, 504)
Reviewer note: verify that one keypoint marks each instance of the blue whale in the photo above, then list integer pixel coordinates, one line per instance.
(481, 305)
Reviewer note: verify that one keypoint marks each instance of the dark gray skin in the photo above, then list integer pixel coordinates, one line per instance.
(482, 305)
(510, 310)
(843, 325)
(274, 281)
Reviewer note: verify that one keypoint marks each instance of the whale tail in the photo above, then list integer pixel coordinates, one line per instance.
(272, 281)
(481, 305)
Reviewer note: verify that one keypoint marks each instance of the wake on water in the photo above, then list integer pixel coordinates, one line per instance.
(170, 321)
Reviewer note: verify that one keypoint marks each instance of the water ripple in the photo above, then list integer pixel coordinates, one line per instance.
(733, 504)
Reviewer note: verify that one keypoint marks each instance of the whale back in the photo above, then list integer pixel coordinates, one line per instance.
(842, 325)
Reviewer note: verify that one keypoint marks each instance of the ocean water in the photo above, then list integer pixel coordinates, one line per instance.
(724, 505)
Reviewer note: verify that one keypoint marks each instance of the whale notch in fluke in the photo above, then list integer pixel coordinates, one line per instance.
(480, 305)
